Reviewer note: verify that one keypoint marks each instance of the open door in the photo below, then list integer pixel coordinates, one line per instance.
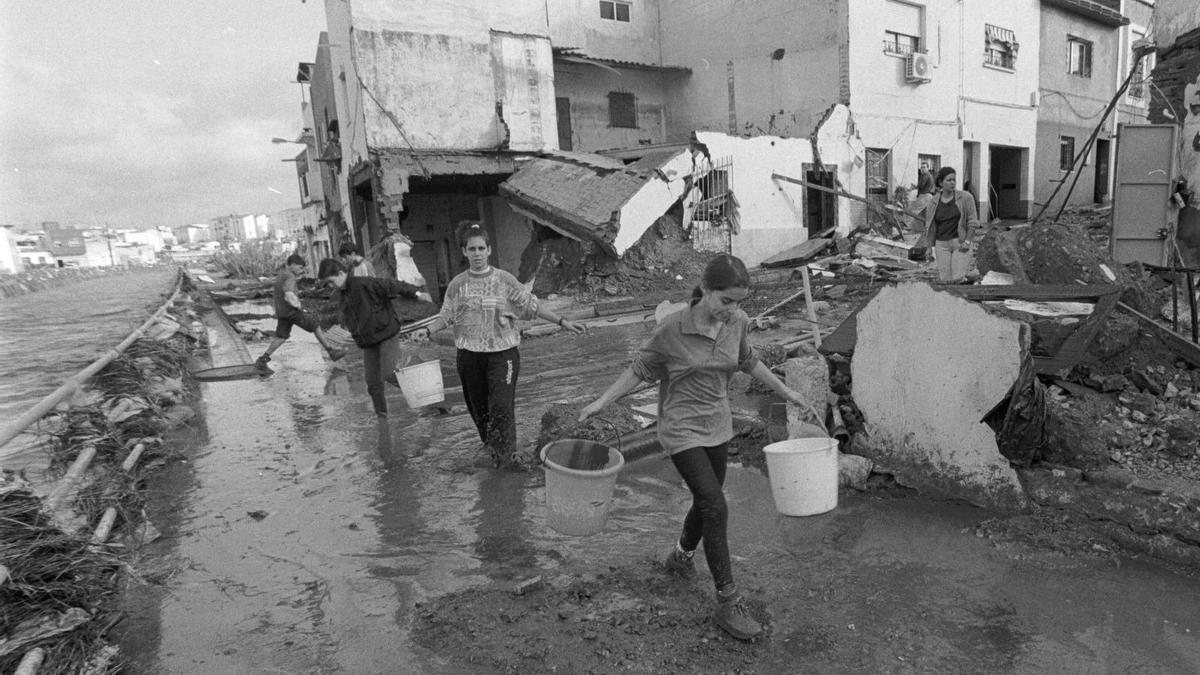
(1142, 192)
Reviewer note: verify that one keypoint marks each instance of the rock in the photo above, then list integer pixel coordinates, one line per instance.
(1170, 391)
(1182, 439)
(853, 471)
(1141, 402)
(1139, 417)
(1106, 383)
(1145, 382)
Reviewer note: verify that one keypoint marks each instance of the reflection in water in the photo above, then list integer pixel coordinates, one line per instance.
(306, 420)
(502, 539)
(397, 503)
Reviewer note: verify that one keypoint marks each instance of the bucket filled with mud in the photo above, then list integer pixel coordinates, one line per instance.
(580, 478)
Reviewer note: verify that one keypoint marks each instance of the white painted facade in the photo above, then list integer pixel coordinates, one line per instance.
(10, 256)
(964, 101)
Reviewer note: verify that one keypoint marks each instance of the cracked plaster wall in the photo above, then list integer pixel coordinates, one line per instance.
(926, 369)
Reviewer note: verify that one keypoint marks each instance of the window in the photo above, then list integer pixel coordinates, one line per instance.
(1000, 47)
(1066, 152)
(614, 11)
(622, 110)
(1079, 57)
(899, 43)
(903, 30)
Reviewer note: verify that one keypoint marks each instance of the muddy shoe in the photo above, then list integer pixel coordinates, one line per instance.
(733, 617)
(680, 564)
(336, 354)
(261, 363)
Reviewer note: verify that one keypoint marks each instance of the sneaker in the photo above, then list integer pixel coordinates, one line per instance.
(679, 563)
(734, 618)
(336, 354)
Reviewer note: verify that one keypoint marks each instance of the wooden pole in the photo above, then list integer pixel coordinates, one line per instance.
(808, 301)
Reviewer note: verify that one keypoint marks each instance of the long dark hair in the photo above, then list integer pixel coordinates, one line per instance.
(721, 274)
(471, 228)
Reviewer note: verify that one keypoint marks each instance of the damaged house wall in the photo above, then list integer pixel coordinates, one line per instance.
(771, 212)
(1177, 101)
(503, 83)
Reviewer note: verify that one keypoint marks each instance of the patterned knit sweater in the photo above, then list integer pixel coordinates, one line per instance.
(484, 309)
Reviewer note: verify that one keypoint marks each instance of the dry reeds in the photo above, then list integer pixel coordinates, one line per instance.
(61, 592)
(254, 259)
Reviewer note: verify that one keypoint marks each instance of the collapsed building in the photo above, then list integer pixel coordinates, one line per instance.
(422, 114)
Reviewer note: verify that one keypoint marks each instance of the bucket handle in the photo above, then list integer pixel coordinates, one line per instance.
(616, 432)
(813, 411)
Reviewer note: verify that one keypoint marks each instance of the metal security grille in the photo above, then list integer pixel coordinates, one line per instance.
(714, 217)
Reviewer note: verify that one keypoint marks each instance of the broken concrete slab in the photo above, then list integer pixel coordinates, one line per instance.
(927, 367)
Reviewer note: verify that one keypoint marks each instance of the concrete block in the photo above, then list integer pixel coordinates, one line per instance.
(927, 367)
(853, 471)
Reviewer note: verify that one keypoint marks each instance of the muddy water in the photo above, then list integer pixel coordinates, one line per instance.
(47, 336)
(301, 535)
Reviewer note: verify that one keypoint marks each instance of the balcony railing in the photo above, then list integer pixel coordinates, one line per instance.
(901, 48)
(1000, 59)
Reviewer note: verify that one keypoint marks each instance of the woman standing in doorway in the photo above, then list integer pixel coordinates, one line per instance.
(692, 354)
(483, 305)
(948, 223)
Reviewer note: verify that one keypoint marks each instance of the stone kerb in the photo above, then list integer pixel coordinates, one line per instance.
(927, 368)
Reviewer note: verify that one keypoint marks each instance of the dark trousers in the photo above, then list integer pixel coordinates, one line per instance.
(489, 381)
(379, 364)
(703, 469)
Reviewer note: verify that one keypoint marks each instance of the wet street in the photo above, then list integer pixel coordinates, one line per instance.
(299, 536)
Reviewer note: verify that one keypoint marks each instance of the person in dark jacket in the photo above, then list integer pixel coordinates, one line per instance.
(366, 307)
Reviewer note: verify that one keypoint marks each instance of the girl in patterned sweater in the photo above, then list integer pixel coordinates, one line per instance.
(483, 304)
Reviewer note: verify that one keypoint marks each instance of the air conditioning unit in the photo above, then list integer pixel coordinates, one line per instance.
(916, 68)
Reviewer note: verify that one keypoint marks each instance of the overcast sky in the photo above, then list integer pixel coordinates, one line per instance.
(137, 113)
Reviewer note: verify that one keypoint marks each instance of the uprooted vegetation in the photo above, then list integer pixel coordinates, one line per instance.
(59, 588)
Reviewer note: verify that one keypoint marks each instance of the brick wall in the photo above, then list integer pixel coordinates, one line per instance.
(1177, 67)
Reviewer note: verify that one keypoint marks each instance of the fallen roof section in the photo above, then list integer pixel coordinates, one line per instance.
(596, 198)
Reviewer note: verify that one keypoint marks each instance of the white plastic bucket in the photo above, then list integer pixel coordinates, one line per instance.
(422, 383)
(804, 475)
(580, 478)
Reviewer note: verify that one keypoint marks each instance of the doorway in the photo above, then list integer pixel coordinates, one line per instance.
(1005, 181)
(1100, 189)
(562, 108)
(820, 207)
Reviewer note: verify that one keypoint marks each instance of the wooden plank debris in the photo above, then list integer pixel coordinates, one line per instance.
(798, 254)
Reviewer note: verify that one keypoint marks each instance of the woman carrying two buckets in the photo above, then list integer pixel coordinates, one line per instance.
(483, 304)
(693, 353)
